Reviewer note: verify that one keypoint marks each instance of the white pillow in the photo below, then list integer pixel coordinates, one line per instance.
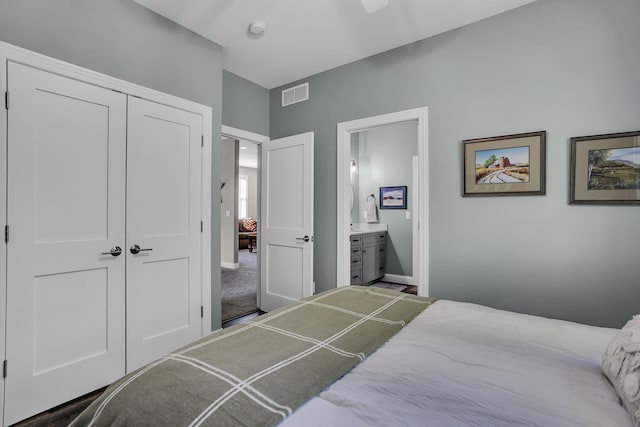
(621, 365)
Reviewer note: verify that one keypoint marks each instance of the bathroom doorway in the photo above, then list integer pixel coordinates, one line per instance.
(382, 158)
(348, 132)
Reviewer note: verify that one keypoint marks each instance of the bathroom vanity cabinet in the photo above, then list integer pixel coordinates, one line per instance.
(368, 256)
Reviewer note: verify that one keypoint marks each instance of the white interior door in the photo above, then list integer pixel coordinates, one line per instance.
(164, 205)
(66, 197)
(286, 231)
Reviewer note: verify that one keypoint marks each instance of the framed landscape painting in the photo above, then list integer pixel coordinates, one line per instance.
(605, 169)
(393, 197)
(509, 165)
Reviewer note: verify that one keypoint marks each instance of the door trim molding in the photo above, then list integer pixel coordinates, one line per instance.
(344, 131)
(10, 52)
(3, 215)
(53, 65)
(236, 133)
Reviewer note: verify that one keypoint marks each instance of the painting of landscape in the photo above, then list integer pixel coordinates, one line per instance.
(393, 197)
(614, 169)
(503, 165)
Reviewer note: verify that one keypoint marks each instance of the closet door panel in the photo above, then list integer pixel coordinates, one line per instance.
(71, 175)
(164, 193)
(66, 202)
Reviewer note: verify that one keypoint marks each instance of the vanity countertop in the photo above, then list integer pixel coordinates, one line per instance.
(362, 228)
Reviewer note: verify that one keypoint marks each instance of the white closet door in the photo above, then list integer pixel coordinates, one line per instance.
(164, 196)
(66, 195)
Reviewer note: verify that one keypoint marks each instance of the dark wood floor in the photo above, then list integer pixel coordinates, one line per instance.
(62, 415)
(413, 290)
(242, 319)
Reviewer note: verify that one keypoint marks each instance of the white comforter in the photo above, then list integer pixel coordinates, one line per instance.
(463, 364)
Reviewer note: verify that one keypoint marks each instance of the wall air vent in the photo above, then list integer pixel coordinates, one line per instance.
(295, 94)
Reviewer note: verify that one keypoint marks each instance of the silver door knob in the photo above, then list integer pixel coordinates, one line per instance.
(305, 238)
(137, 249)
(115, 251)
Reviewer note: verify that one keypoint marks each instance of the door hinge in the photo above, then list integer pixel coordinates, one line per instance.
(4, 369)
(202, 140)
(202, 311)
(201, 226)
(6, 100)
(6, 234)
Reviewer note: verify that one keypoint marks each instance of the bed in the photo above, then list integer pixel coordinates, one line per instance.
(358, 356)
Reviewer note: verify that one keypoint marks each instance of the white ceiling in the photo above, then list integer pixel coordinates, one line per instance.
(305, 37)
(248, 154)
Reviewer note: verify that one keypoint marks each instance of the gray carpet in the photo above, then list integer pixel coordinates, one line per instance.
(239, 287)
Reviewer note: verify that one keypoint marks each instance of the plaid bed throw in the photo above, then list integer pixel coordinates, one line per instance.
(257, 373)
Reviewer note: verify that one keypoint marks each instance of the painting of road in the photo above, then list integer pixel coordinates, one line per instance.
(502, 166)
(614, 169)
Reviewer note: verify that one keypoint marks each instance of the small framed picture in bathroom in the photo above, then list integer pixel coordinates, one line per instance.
(393, 197)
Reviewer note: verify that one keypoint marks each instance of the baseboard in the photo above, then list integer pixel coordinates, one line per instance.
(231, 265)
(401, 280)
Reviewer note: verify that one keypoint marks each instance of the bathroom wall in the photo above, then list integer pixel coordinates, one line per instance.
(355, 178)
(384, 158)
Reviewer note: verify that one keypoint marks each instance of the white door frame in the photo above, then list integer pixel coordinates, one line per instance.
(235, 133)
(27, 57)
(343, 245)
(3, 218)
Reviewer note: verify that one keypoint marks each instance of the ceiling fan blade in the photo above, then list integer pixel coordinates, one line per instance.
(372, 6)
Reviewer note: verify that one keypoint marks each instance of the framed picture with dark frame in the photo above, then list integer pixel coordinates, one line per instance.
(393, 197)
(605, 169)
(508, 165)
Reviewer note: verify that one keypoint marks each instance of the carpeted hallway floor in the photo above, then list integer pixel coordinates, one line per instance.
(239, 287)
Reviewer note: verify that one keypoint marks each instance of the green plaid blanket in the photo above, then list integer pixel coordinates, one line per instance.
(257, 373)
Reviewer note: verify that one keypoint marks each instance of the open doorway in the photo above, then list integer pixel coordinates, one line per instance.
(347, 133)
(384, 206)
(239, 223)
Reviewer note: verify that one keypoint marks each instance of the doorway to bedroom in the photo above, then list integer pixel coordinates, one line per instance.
(239, 217)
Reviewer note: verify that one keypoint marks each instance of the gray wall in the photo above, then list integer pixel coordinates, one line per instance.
(124, 40)
(245, 105)
(385, 160)
(566, 66)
